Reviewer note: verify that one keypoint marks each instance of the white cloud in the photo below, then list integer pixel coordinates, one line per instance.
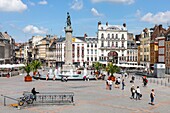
(160, 17)
(77, 5)
(31, 3)
(95, 12)
(12, 6)
(138, 13)
(43, 2)
(114, 1)
(34, 30)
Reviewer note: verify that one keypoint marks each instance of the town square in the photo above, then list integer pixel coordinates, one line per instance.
(93, 56)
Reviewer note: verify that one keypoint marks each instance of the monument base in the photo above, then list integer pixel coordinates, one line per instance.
(67, 68)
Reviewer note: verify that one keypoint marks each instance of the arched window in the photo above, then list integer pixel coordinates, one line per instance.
(112, 35)
(108, 35)
(116, 35)
(122, 36)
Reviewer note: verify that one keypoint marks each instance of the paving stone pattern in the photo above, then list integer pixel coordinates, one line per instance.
(90, 97)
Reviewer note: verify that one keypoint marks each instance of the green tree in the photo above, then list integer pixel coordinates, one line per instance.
(28, 69)
(35, 65)
(111, 69)
(98, 66)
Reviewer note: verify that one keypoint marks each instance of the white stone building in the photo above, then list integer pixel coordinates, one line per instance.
(112, 43)
(92, 50)
(79, 47)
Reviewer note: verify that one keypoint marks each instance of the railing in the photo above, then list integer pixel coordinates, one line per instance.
(54, 97)
(158, 81)
(7, 97)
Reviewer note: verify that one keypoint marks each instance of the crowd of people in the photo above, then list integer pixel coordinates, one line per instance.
(135, 92)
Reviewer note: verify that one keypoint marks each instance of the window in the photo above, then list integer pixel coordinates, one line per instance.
(87, 45)
(108, 43)
(116, 35)
(122, 44)
(95, 45)
(91, 51)
(102, 44)
(91, 58)
(95, 51)
(91, 45)
(112, 44)
(95, 58)
(87, 51)
(122, 36)
(116, 44)
(102, 35)
(108, 35)
(87, 58)
(112, 35)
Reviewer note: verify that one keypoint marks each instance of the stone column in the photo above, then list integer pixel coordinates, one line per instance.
(68, 45)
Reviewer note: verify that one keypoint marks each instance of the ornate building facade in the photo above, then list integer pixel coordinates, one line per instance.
(112, 43)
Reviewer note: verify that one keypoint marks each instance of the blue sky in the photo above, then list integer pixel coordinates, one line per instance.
(23, 19)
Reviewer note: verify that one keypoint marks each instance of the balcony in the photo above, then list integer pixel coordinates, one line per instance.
(112, 48)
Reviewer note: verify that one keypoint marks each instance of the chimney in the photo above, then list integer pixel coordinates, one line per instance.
(106, 23)
(99, 23)
(124, 24)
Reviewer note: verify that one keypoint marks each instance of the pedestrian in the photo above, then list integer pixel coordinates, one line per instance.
(152, 96)
(145, 81)
(55, 74)
(34, 92)
(133, 79)
(138, 93)
(107, 84)
(123, 84)
(132, 89)
(51, 74)
(87, 77)
(110, 82)
(39, 75)
(47, 76)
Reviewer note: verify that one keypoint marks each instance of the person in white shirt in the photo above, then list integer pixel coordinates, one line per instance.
(138, 93)
(55, 73)
(50, 72)
(110, 82)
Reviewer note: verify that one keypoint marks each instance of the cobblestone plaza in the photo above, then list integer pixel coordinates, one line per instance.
(90, 97)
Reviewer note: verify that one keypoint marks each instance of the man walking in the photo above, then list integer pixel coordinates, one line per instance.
(152, 96)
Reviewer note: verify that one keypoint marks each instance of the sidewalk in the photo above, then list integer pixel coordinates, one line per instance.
(90, 97)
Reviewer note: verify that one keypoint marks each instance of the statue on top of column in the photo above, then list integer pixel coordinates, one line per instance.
(68, 20)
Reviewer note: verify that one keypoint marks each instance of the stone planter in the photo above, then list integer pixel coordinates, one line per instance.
(28, 78)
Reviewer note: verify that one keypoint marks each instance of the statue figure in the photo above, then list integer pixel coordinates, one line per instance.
(68, 20)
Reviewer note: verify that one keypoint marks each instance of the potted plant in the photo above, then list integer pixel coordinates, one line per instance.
(111, 69)
(35, 65)
(28, 69)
